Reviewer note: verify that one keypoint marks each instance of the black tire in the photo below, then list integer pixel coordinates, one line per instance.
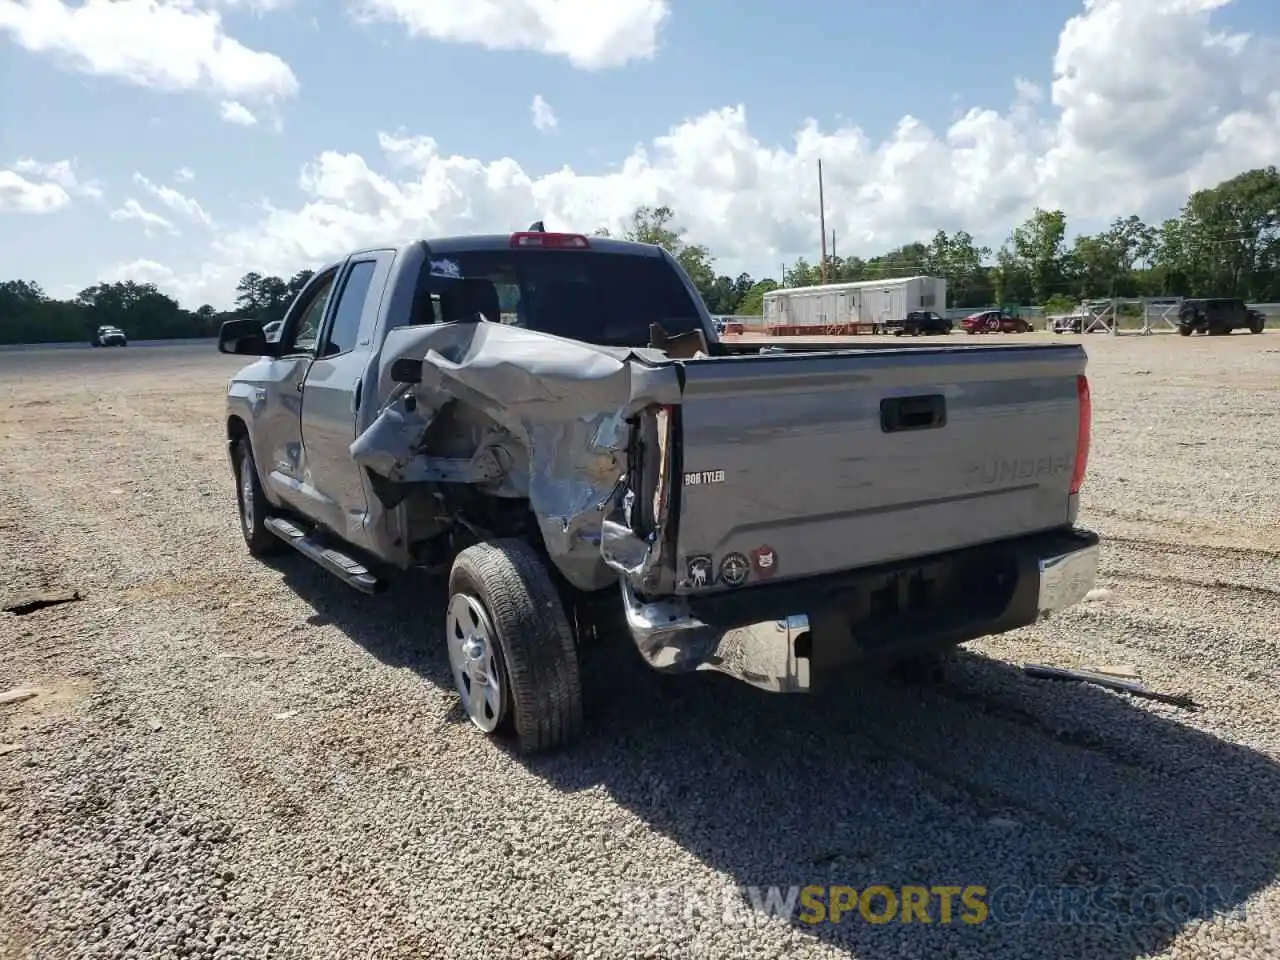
(922, 668)
(535, 649)
(1255, 327)
(260, 541)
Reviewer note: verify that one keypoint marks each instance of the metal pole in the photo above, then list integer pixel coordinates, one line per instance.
(822, 222)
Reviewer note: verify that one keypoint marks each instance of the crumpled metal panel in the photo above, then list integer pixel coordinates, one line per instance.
(562, 404)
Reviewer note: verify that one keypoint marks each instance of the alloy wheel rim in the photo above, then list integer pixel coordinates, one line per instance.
(246, 493)
(473, 657)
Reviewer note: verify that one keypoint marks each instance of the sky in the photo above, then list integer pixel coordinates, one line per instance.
(187, 142)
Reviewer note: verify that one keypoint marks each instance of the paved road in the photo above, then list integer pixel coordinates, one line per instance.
(40, 359)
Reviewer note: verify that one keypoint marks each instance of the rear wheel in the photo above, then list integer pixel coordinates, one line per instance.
(511, 649)
(926, 667)
(1255, 326)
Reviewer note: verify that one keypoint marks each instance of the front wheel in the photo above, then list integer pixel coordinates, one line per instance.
(252, 504)
(511, 649)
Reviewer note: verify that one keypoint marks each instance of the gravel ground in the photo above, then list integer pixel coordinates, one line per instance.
(229, 759)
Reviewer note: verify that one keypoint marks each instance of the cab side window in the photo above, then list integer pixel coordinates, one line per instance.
(306, 328)
(346, 315)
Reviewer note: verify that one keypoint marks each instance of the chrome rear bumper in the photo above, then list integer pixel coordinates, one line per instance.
(775, 655)
(1066, 579)
(672, 640)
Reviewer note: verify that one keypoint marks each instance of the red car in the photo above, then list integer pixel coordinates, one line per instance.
(994, 321)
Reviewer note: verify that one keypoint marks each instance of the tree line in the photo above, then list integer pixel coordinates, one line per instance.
(1225, 242)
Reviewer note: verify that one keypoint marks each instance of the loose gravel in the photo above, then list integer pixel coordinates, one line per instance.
(229, 759)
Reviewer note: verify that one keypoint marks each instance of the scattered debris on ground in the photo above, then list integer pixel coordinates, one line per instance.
(40, 601)
(1123, 683)
(17, 695)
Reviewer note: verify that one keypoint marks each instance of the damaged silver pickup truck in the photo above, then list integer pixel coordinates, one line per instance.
(553, 419)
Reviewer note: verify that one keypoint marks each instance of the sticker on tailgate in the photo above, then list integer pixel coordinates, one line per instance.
(699, 478)
(698, 570)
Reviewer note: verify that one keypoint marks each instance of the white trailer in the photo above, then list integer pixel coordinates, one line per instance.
(838, 305)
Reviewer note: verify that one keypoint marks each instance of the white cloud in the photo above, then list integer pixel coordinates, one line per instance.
(183, 175)
(589, 34)
(20, 195)
(152, 43)
(151, 222)
(259, 6)
(61, 172)
(235, 112)
(176, 201)
(544, 118)
(1211, 110)
(140, 271)
(1150, 96)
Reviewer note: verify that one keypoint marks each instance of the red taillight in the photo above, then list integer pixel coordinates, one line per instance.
(1085, 405)
(551, 241)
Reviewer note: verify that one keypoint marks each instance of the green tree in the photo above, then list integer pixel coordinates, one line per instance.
(1037, 245)
(752, 302)
(1224, 242)
(802, 273)
(961, 261)
(1227, 240)
(656, 225)
(266, 297)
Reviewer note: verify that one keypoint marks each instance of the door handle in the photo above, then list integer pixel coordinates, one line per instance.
(913, 413)
(299, 386)
(355, 397)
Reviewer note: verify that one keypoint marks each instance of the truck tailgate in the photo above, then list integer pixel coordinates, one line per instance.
(806, 464)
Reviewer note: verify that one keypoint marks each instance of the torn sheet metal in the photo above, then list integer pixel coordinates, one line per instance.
(562, 405)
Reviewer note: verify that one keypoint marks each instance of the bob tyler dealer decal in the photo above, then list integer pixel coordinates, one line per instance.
(700, 478)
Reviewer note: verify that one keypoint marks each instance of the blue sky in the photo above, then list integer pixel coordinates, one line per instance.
(863, 64)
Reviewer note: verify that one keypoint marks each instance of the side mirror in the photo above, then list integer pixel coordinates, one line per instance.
(406, 370)
(244, 338)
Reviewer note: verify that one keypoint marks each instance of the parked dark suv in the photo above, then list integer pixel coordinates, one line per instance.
(1218, 316)
(918, 322)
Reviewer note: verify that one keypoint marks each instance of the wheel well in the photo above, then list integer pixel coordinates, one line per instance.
(236, 431)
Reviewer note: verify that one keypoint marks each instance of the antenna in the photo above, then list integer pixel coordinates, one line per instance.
(822, 223)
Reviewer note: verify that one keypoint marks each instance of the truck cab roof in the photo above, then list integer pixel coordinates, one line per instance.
(484, 242)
